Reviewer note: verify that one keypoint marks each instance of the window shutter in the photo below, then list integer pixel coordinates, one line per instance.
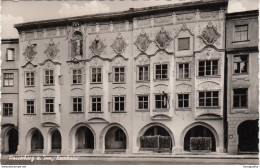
(110, 78)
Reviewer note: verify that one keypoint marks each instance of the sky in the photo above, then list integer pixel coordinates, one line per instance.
(17, 11)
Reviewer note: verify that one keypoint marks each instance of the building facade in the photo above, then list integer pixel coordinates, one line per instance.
(242, 81)
(10, 95)
(139, 81)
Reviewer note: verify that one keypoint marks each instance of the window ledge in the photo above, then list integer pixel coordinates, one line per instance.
(161, 110)
(49, 113)
(29, 86)
(142, 110)
(241, 74)
(244, 41)
(119, 112)
(8, 116)
(49, 85)
(209, 107)
(119, 82)
(183, 109)
(166, 79)
(209, 76)
(239, 108)
(74, 112)
(96, 112)
(29, 114)
(183, 79)
(10, 60)
(75, 84)
(142, 81)
(8, 86)
(95, 83)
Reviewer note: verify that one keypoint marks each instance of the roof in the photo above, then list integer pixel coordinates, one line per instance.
(244, 14)
(126, 15)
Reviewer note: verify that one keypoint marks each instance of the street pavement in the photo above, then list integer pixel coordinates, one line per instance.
(133, 160)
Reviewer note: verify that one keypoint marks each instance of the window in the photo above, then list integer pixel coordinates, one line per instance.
(77, 104)
(49, 105)
(96, 75)
(161, 71)
(7, 109)
(8, 79)
(183, 43)
(208, 68)
(240, 64)
(161, 101)
(143, 102)
(119, 103)
(96, 104)
(241, 33)
(77, 76)
(30, 107)
(29, 78)
(49, 77)
(183, 100)
(119, 135)
(119, 75)
(208, 99)
(184, 70)
(10, 54)
(143, 73)
(240, 97)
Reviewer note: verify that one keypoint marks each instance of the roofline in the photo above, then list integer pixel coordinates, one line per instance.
(9, 41)
(125, 15)
(243, 14)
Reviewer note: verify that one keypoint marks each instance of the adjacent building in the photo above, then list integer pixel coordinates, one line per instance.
(242, 81)
(9, 95)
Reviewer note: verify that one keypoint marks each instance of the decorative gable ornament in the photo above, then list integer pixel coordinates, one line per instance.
(29, 52)
(52, 50)
(162, 39)
(209, 34)
(142, 41)
(119, 44)
(97, 46)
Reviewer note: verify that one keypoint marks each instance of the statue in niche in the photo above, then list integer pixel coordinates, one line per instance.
(76, 44)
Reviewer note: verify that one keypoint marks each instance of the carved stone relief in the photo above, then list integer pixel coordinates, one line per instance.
(210, 53)
(119, 27)
(30, 52)
(97, 46)
(160, 88)
(119, 91)
(118, 61)
(142, 89)
(185, 17)
(96, 91)
(209, 85)
(30, 94)
(142, 41)
(48, 93)
(104, 28)
(142, 60)
(209, 34)
(162, 39)
(77, 92)
(162, 20)
(143, 23)
(49, 118)
(119, 44)
(51, 50)
(183, 88)
(208, 15)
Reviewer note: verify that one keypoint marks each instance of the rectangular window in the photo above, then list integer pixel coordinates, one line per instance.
(96, 75)
(30, 107)
(184, 70)
(240, 97)
(7, 109)
(77, 76)
(208, 68)
(119, 103)
(119, 73)
(143, 102)
(77, 104)
(96, 104)
(241, 33)
(49, 77)
(183, 100)
(49, 105)
(161, 101)
(29, 78)
(10, 54)
(143, 73)
(240, 64)
(183, 43)
(119, 135)
(208, 99)
(8, 79)
(161, 71)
